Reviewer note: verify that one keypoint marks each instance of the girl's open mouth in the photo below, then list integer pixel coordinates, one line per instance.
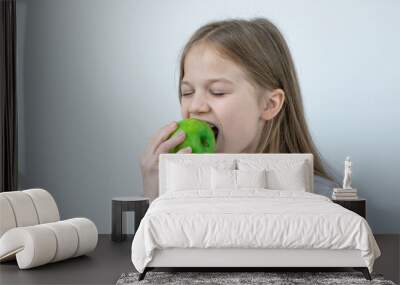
(215, 130)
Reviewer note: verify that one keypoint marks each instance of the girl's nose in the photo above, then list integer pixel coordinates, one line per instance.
(198, 104)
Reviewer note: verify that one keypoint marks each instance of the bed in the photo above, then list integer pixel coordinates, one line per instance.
(244, 211)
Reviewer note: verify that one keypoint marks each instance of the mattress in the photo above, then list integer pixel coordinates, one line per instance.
(252, 218)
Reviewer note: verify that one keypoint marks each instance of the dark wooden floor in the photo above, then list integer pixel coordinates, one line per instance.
(111, 259)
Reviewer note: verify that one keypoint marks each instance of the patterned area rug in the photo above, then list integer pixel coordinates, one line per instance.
(229, 278)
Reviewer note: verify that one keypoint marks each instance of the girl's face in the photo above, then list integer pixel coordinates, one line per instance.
(216, 90)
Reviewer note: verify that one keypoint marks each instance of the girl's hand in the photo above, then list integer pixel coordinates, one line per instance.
(159, 143)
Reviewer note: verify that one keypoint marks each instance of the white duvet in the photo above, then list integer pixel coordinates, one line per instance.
(250, 218)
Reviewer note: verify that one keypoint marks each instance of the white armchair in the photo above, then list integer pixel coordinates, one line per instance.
(31, 231)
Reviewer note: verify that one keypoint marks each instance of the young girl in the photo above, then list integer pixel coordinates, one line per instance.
(239, 75)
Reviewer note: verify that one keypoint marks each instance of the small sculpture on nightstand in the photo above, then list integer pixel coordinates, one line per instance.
(347, 174)
(346, 192)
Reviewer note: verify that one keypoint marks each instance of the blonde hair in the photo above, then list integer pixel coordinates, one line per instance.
(260, 49)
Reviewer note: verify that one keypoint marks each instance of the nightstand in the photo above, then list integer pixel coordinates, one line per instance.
(358, 206)
(124, 204)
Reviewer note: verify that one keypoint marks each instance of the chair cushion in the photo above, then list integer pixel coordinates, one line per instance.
(46, 207)
(26, 208)
(45, 243)
(23, 208)
(7, 220)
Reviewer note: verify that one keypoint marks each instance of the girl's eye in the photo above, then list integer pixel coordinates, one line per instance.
(213, 93)
(217, 93)
(187, 93)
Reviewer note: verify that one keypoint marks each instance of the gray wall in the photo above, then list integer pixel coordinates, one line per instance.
(96, 79)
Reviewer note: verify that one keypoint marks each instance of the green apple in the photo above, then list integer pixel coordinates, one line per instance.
(199, 136)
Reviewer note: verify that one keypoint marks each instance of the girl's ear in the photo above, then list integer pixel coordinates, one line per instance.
(272, 103)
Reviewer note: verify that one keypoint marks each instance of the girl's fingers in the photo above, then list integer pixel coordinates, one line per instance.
(161, 136)
(169, 144)
(185, 150)
(161, 143)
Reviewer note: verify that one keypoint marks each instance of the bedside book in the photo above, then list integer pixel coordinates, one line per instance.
(344, 198)
(344, 194)
(341, 190)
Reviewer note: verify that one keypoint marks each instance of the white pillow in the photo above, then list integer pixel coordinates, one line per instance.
(281, 174)
(291, 179)
(251, 178)
(223, 179)
(236, 179)
(185, 175)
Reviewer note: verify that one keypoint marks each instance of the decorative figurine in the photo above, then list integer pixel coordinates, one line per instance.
(347, 192)
(347, 174)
